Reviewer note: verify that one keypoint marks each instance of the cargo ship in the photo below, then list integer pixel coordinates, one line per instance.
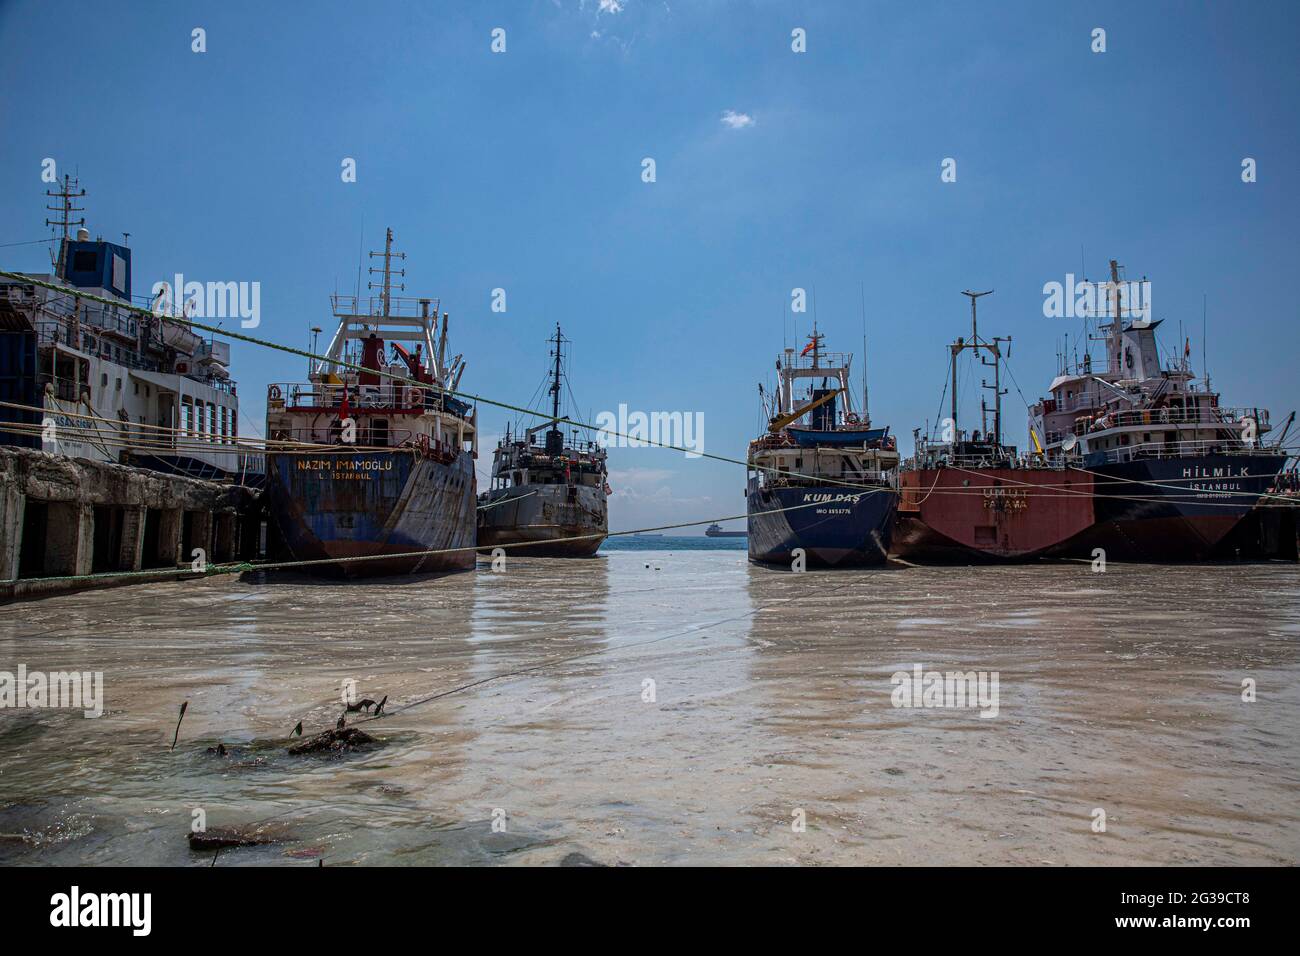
(119, 382)
(818, 479)
(548, 499)
(715, 531)
(370, 462)
(1173, 470)
(970, 498)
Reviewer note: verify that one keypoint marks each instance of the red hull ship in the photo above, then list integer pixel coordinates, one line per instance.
(950, 513)
(972, 499)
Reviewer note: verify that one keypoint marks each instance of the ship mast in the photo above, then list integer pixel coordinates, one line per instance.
(414, 320)
(65, 195)
(386, 286)
(866, 407)
(555, 377)
(995, 350)
(1116, 328)
(554, 437)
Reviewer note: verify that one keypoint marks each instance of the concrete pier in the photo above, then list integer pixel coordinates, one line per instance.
(62, 517)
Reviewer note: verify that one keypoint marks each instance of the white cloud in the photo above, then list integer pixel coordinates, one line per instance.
(733, 120)
(611, 6)
(640, 476)
(631, 508)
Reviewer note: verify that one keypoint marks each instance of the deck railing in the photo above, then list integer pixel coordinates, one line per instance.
(1180, 449)
(1218, 417)
(387, 395)
(399, 306)
(327, 437)
(938, 459)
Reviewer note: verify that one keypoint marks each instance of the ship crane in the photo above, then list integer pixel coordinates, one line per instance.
(781, 421)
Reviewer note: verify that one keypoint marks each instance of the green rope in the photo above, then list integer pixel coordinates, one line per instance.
(303, 353)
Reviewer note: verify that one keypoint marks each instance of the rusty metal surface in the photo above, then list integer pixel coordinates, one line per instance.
(543, 514)
(367, 504)
(990, 513)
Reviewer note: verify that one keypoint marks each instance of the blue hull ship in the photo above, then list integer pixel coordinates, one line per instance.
(370, 463)
(337, 506)
(1173, 509)
(819, 492)
(833, 528)
(1174, 470)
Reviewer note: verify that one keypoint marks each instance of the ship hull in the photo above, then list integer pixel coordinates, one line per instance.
(833, 528)
(1172, 509)
(544, 520)
(377, 508)
(989, 515)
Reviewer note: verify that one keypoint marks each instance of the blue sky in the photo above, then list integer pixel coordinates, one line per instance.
(522, 171)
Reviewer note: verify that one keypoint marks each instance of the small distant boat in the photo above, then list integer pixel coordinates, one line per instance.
(715, 531)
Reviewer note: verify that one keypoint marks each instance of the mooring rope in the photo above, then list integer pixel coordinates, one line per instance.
(384, 373)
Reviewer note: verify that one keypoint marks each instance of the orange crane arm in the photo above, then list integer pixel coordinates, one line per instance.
(776, 424)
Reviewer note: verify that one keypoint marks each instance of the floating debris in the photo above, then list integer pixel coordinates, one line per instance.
(222, 837)
(316, 852)
(184, 706)
(334, 742)
(579, 859)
